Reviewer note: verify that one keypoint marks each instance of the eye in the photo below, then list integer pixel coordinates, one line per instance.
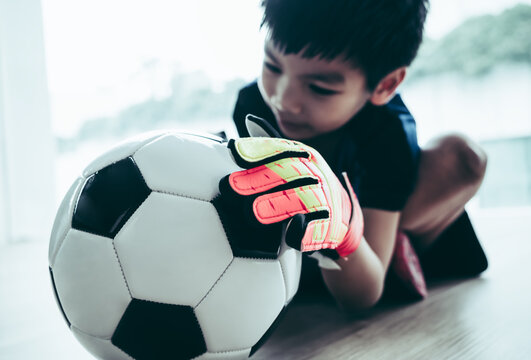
(272, 68)
(322, 91)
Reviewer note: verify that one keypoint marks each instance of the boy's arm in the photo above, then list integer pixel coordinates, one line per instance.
(359, 284)
(380, 232)
(365, 270)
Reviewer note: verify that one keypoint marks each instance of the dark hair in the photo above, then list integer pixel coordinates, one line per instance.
(376, 36)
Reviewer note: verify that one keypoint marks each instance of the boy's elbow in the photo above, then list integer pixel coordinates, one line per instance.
(359, 301)
(359, 285)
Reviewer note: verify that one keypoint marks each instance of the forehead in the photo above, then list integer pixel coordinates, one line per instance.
(333, 69)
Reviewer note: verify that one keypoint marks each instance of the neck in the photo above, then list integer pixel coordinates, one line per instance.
(326, 144)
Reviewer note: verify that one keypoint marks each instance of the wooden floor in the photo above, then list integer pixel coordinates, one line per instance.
(484, 318)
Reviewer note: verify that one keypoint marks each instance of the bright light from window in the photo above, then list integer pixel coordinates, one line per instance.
(105, 55)
(106, 60)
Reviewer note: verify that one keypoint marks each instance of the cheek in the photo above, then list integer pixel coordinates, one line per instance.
(268, 84)
(347, 111)
(333, 114)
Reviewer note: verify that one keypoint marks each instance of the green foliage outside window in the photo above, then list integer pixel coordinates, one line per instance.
(478, 45)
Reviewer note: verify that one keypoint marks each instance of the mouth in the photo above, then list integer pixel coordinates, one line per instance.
(291, 125)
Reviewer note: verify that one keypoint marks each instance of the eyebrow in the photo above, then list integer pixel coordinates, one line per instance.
(332, 77)
(269, 54)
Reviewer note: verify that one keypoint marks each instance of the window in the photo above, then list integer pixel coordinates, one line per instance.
(508, 181)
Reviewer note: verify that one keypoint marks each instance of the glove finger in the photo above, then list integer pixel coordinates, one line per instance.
(311, 232)
(306, 232)
(253, 152)
(266, 177)
(240, 206)
(281, 205)
(247, 237)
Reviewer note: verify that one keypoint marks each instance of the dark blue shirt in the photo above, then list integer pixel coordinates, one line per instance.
(377, 148)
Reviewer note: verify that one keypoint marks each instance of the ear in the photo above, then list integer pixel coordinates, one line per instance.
(385, 89)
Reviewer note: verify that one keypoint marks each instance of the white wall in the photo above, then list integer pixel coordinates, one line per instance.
(26, 145)
(4, 200)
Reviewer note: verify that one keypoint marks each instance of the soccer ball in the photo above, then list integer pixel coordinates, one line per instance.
(144, 265)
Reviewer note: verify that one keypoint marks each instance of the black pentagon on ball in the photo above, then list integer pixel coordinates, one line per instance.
(247, 238)
(150, 330)
(109, 198)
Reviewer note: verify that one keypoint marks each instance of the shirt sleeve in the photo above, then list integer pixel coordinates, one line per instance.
(388, 157)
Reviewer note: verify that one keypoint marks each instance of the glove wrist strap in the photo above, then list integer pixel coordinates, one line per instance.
(355, 233)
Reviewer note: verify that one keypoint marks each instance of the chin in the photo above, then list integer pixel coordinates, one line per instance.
(295, 135)
(295, 132)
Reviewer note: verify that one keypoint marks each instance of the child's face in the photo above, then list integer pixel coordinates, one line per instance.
(310, 97)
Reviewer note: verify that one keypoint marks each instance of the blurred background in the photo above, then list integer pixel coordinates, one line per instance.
(78, 76)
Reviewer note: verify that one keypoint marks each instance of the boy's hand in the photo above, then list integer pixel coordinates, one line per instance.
(288, 181)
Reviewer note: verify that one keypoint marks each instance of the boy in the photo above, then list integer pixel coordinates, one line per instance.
(329, 77)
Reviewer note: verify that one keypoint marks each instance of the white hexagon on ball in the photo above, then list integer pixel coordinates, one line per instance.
(242, 305)
(177, 241)
(185, 165)
(90, 283)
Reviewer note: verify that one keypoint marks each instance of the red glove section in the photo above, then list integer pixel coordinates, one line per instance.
(355, 232)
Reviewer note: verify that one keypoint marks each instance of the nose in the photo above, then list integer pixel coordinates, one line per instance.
(286, 97)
